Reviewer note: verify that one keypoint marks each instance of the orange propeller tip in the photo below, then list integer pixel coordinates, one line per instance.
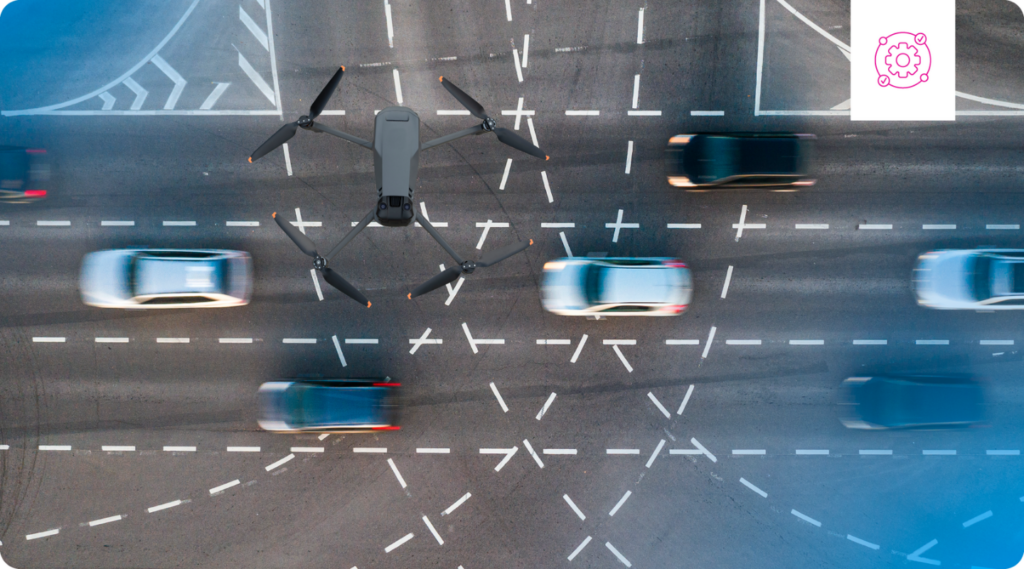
(342, 67)
(274, 215)
(531, 241)
(368, 304)
(441, 78)
(250, 160)
(547, 158)
(409, 296)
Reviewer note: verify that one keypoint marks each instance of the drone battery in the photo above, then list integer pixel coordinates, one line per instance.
(394, 211)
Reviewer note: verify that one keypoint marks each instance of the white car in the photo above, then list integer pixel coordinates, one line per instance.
(578, 286)
(166, 278)
(970, 279)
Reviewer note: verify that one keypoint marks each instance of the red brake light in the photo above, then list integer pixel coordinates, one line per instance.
(676, 309)
(386, 384)
(391, 428)
(675, 263)
(35, 193)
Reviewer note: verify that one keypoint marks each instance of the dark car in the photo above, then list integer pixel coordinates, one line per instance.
(914, 402)
(739, 160)
(23, 174)
(328, 405)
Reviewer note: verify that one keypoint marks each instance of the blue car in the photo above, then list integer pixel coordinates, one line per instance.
(328, 405)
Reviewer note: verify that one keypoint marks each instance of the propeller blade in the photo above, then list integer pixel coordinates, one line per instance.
(283, 135)
(475, 108)
(499, 255)
(519, 143)
(336, 280)
(321, 100)
(437, 281)
(304, 243)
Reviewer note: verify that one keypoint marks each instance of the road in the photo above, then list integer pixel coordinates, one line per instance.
(707, 440)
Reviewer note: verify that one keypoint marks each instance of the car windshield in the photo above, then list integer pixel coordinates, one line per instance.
(169, 275)
(592, 283)
(316, 405)
(982, 277)
(719, 158)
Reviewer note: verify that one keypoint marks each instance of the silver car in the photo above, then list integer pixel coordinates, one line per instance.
(577, 286)
(970, 279)
(166, 278)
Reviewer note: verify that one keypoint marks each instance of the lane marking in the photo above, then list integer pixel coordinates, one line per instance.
(566, 451)
(541, 342)
(978, 518)
(298, 340)
(117, 448)
(629, 153)
(547, 186)
(533, 133)
(654, 454)
(234, 340)
(1002, 227)
(728, 279)
(643, 113)
(423, 208)
(579, 548)
(686, 399)
(515, 61)
(870, 342)
(547, 404)
(112, 340)
(42, 534)
(398, 474)
(391, 27)
(875, 452)
(707, 345)
(619, 225)
(401, 541)
(938, 452)
(256, 78)
(658, 404)
(100, 522)
(504, 177)
(620, 503)
(254, 28)
(497, 396)
(224, 487)
(996, 342)
(682, 342)
(455, 112)
(743, 342)
(48, 339)
(398, 86)
(487, 228)
(703, 450)
(1002, 452)
(811, 226)
(916, 555)
(430, 526)
(508, 10)
(938, 226)
(457, 503)
(474, 342)
(640, 27)
(579, 349)
(140, 93)
(108, 100)
(179, 224)
(743, 219)
(337, 348)
(707, 113)
(536, 457)
(608, 544)
(801, 451)
(287, 158)
(526, 49)
(307, 449)
(243, 449)
(684, 226)
(278, 463)
(422, 450)
(756, 490)
(214, 95)
(166, 506)
(622, 358)
(806, 518)
(370, 450)
(117, 224)
(508, 456)
(243, 224)
(622, 451)
(620, 342)
(367, 341)
(519, 113)
(55, 447)
(179, 449)
(860, 541)
(53, 223)
(579, 113)
(179, 81)
(748, 452)
(576, 509)
(636, 91)
(932, 342)
(875, 226)
(316, 284)
(422, 340)
(807, 342)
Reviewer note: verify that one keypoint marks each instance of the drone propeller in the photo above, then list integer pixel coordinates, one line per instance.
(505, 136)
(319, 263)
(451, 273)
(286, 132)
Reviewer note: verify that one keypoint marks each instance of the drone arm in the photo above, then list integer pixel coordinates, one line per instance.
(351, 234)
(339, 134)
(437, 237)
(453, 136)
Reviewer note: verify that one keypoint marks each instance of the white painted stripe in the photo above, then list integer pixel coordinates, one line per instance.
(224, 487)
(243, 449)
(811, 226)
(620, 503)
(579, 349)
(875, 452)
(664, 411)
(398, 86)
(257, 79)
(644, 113)
(108, 100)
(748, 451)
(570, 451)
(541, 342)
(518, 113)
(53, 223)
(307, 449)
(533, 132)
(5, 222)
(140, 93)
(42, 534)
(684, 451)
(362, 340)
(574, 507)
(870, 342)
(100, 522)
(533, 453)
(434, 450)
(578, 549)
(932, 342)
(654, 455)
(117, 224)
(261, 36)
(938, 226)
(504, 177)
(996, 342)
(805, 518)
(526, 47)
(728, 279)
(682, 342)
(875, 226)
(179, 224)
(547, 404)
(620, 342)
(623, 451)
(622, 358)
(684, 226)
(1002, 452)
(703, 450)
(5, 447)
(245, 223)
(278, 463)
(807, 342)
(115, 448)
(54, 447)
(640, 27)
(452, 112)
(750, 226)
(172, 340)
(707, 345)
(430, 526)
(287, 159)
(497, 396)
(515, 61)
(743, 342)
(565, 243)
(802, 451)
(993, 226)
(374, 450)
(547, 186)
(298, 340)
(578, 113)
(629, 151)
(636, 98)
(457, 503)
(508, 10)
(214, 96)
(398, 474)
(939, 452)
(164, 506)
(174, 76)
(391, 26)
(978, 518)
(608, 544)
(400, 542)
(495, 450)
(756, 490)
(48, 339)
(860, 541)
(235, 340)
(507, 458)
(707, 113)
(179, 449)
(337, 348)
(558, 225)
(686, 399)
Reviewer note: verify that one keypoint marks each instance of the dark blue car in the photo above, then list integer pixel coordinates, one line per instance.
(328, 405)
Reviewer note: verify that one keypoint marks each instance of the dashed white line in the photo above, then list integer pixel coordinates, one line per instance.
(622, 358)
(658, 404)
(526, 49)
(515, 61)
(337, 348)
(978, 518)
(860, 541)
(55, 447)
(541, 342)
(582, 113)
(1002, 452)
(707, 113)
(398, 474)
(457, 503)
(391, 27)
(684, 226)
(938, 452)
(682, 342)
(423, 450)
(579, 348)
(743, 342)
(316, 284)
(370, 450)
(938, 226)
(811, 226)
(533, 132)
(224, 487)
(686, 399)
(756, 490)
(870, 342)
(1002, 227)
(398, 86)
(214, 96)
(618, 225)
(620, 503)
(547, 186)
(172, 340)
(565, 244)
(48, 339)
(932, 342)
(100, 522)
(243, 449)
(801, 451)
(640, 28)
(234, 340)
(423, 341)
(166, 506)
(117, 448)
(508, 456)
(875, 452)
(807, 342)
(287, 159)
(504, 177)
(179, 224)
(533, 453)
(362, 341)
(456, 112)
(579, 548)
(42, 534)
(430, 526)
(43, 223)
(996, 342)
(622, 451)
(743, 219)
(308, 450)
(547, 404)
(565, 451)
(298, 340)
(643, 113)
(629, 153)
(179, 449)
(703, 450)
(508, 10)
(749, 452)
(278, 463)
(401, 541)
(576, 509)
(117, 224)
(654, 455)
(707, 345)
(875, 226)
(806, 518)
(243, 224)
(608, 544)
(487, 226)
(728, 278)
(494, 389)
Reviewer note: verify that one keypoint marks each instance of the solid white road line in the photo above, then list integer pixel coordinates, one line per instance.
(756, 490)
(707, 345)
(640, 27)
(117, 224)
(547, 404)
(654, 455)
(243, 449)
(337, 348)
(278, 463)
(424, 450)
(1002, 227)
(457, 503)
(116, 448)
(860, 541)
(179, 449)
(622, 358)
(494, 389)
(287, 159)
(707, 113)
(214, 95)
(608, 544)
(316, 284)
(658, 404)
(234, 340)
(996, 342)
(622, 451)
(801, 451)
(934, 226)
(620, 503)
(748, 452)
(53, 223)
(504, 177)
(743, 219)
(805, 518)
(938, 452)
(48, 339)
(629, 153)
(547, 186)
(875, 452)
(811, 226)
(312, 450)
(42, 534)
(430, 526)
(55, 447)
(875, 226)
(977, 519)
(728, 278)
(579, 113)
(244, 223)
(179, 224)
(515, 61)
(703, 450)
(298, 340)
(370, 450)
(172, 340)
(932, 342)
(686, 399)
(533, 453)
(579, 548)
(100, 522)
(807, 342)
(1002, 452)
(870, 342)
(526, 49)
(400, 542)
(643, 113)
(112, 340)
(398, 86)
(398, 474)
(743, 342)
(684, 226)
(579, 348)
(574, 507)
(682, 342)
(179, 81)
(164, 506)
(569, 451)
(224, 487)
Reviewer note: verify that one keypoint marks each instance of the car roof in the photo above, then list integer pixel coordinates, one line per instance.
(175, 275)
(922, 400)
(712, 157)
(342, 404)
(637, 284)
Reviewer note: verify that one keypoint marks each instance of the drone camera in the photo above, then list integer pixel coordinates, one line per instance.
(395, 211)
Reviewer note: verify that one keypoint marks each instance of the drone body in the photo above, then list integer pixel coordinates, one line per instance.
(396, 157)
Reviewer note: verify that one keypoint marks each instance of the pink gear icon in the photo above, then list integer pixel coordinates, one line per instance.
(903, 60)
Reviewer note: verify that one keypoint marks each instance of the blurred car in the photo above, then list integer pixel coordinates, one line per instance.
(913, 402)
(739, 160)
(166, 278)
(23, 174)
(579, 286)
(328, 405)
(970, 279)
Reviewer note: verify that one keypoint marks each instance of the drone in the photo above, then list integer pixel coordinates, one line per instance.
(396, 158)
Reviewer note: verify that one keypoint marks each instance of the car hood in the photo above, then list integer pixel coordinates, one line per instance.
(564, 289)
(945, 276)
(104, 277)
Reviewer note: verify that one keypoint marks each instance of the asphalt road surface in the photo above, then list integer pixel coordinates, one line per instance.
(710, 439)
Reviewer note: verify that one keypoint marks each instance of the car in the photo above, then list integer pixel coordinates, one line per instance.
(913, 402)
(619, 286)
(739, 160)
(970, 279)
(166, 278)
(328, 405)
(24, 173)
